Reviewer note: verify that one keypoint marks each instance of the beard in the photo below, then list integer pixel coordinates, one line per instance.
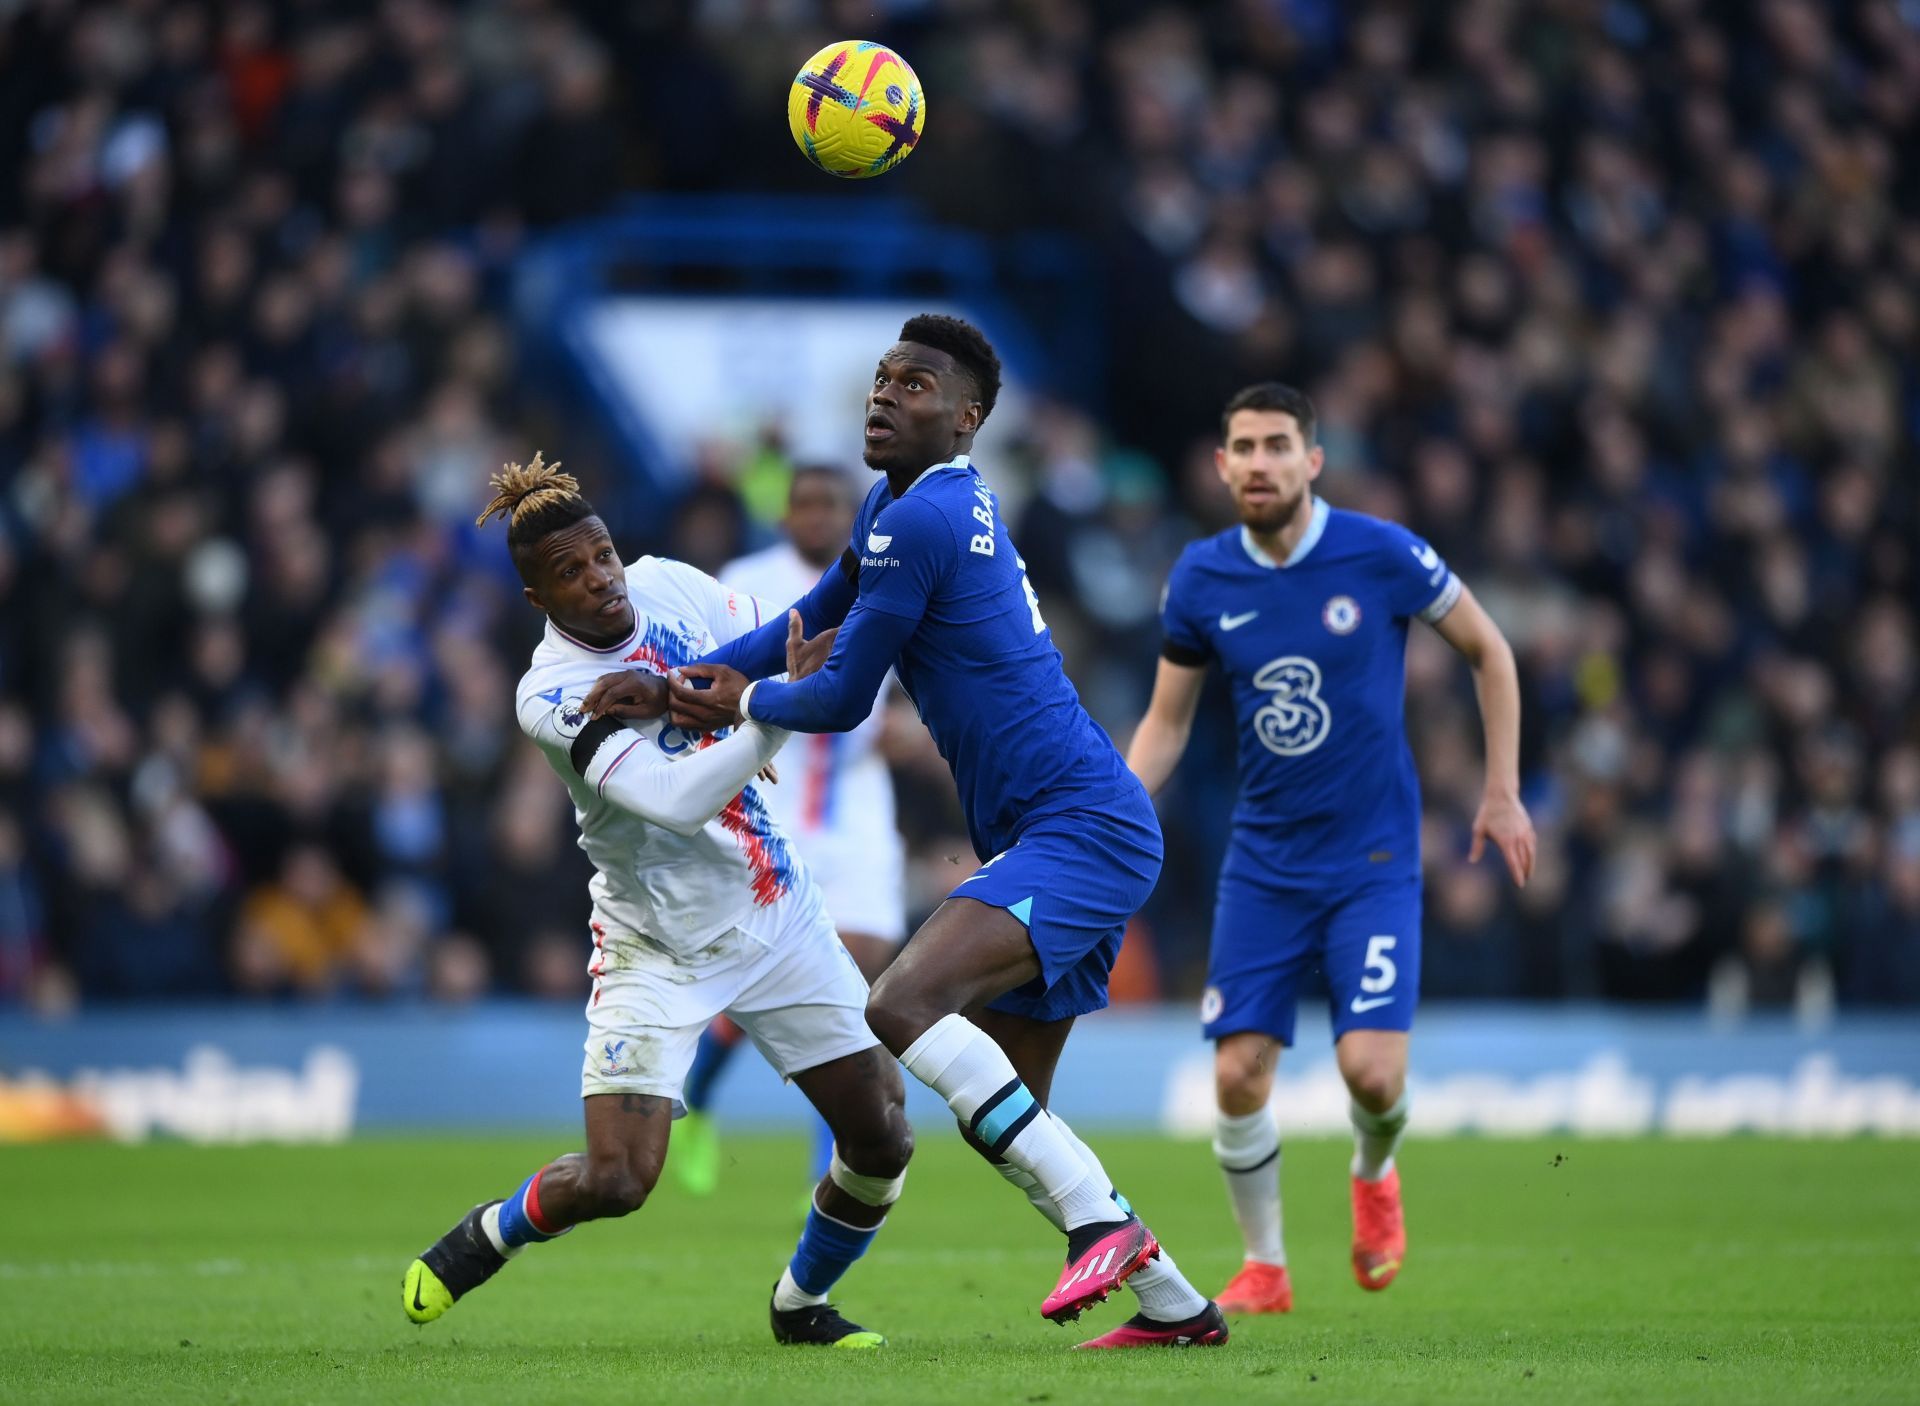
(882, 456)
(1273, 516)
(901, 452)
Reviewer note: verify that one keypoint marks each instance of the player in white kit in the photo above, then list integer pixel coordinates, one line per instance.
(700, 906)
(835, 799)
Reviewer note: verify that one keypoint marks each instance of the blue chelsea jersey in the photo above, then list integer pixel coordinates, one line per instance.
(981, 666)
(1315, 652)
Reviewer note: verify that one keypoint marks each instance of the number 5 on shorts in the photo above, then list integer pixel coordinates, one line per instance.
(1380, 972)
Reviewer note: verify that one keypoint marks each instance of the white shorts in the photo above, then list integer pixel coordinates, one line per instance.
(793, 988)
(866, 890)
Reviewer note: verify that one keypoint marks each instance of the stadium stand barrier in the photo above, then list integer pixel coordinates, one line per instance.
(225, 1074)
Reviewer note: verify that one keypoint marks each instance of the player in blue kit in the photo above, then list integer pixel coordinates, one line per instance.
(1305, 609)
(979, 1003)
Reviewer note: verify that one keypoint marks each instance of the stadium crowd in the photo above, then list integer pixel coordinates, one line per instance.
(1616, 301)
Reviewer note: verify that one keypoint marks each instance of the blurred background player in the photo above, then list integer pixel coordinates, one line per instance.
(699, 907)
(835, 800)
(1305, 608)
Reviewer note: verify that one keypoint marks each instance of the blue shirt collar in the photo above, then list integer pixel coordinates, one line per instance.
(1316, 524)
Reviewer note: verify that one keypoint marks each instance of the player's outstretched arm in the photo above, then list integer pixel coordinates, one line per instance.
(1502, 818)
(839, 697)
(763, 652)
(628, 768)
(1161, 739)
(893, 597)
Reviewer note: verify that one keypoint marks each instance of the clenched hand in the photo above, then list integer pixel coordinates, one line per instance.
(627, 694)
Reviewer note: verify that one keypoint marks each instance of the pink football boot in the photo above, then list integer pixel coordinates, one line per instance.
(1206, 1329)
(1100, 1257)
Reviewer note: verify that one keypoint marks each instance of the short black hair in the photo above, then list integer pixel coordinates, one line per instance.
(1271, 395)
(531, 528)
(968, 347)
(839, 478)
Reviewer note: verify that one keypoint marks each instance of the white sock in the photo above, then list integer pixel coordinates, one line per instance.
(1162, 1289)
(960, 1062)
(1248, 1146)
(1164, 1293)
(490, 1222)
(788, 1295)
(1030, 1188)
(1375, 1136)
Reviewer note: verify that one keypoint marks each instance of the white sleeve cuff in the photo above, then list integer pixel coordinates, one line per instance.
(1448, 598)
(746, 716)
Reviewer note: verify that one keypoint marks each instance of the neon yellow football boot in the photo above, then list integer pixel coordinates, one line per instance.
(461, 1260)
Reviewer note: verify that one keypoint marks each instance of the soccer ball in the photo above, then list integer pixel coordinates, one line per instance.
(855, 109)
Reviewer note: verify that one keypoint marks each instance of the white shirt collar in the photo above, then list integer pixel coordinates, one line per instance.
(1316, 524)
(958, 461)
(554, 630)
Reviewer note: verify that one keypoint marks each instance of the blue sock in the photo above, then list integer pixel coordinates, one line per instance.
(827, 1248)
(710, 1056)
(516, 1216)
(822, 1148)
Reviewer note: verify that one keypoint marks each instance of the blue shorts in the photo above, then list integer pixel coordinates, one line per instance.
(1266, 938)
(1074, 880)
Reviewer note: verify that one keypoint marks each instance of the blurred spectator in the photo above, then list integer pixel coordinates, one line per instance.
(21, 939)
(310, 931)
(1618, 304)
(1884, 958)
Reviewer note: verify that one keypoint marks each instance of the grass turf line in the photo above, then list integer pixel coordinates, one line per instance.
(1633, 1271)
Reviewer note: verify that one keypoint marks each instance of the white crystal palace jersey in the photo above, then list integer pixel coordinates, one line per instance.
(679, 889)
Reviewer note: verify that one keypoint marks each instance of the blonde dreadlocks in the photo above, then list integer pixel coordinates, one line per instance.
(527, 488)
(535, 499)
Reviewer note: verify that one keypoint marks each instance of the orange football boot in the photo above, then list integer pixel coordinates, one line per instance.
(1257, 1288)
(1379, 1231)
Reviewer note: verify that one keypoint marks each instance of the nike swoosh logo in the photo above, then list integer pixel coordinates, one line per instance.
(418, 1306)
(877, 543)
(1360, 1007)
(1234, 622)
(1381, 1271)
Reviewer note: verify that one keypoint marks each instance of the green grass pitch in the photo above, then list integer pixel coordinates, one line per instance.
(1553, 1271)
